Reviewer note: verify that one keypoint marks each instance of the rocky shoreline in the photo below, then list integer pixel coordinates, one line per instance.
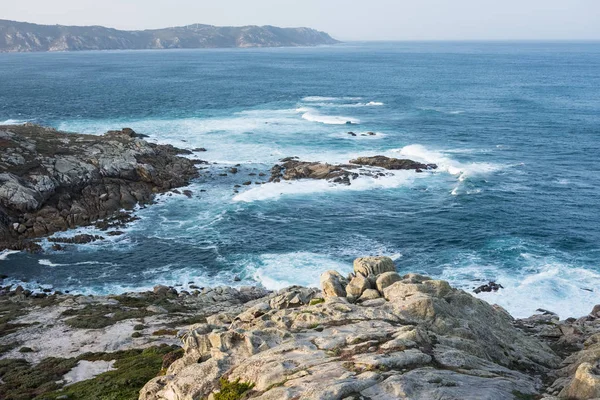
(371, 335)
(52, 181)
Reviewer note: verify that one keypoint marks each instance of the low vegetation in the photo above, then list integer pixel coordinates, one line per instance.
(134, 368)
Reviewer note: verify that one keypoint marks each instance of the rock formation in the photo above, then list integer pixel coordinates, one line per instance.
(373, 335)
(292, 169)
(52, 181)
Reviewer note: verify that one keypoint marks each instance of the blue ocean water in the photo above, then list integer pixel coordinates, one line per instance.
(514, 127)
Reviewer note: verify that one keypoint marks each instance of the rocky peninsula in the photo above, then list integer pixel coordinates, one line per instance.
(371, 335)
(51, 181)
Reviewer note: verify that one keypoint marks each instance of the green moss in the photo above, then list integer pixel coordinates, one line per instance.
(523, 396)
(232, 390)
(314, 302)
(136, 335)
(99, 316)
(138, 327)
(133, 369)
(5, 348)
(196, 319)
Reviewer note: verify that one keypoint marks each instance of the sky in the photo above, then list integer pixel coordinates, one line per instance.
(343, 19)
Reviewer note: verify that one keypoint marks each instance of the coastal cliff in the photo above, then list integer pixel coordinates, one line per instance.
(25, 37)
(371, 335)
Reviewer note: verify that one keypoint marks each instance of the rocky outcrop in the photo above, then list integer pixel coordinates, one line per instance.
(23, 36)
(293, 169)
(392, 163)
(418, 338)
(51, 181)
(577, 341)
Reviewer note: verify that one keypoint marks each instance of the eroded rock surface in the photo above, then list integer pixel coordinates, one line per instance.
(417, 339)
(292, 169)
(52, 181)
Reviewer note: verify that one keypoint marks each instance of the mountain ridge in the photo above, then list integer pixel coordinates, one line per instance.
(18, 36)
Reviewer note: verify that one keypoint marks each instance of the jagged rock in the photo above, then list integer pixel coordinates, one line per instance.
(585, 384)
(429, 341)
(386, 279)
(369, 294)
(72, 180)
(391, 163)
(490, 287)
(357, 286)
(333, 284)
(373, 265)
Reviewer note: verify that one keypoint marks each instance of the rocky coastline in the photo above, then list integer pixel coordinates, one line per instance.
(51, 181)
(371, 335)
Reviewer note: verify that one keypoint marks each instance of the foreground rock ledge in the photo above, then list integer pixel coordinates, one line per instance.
(372, 335)
(52, 181)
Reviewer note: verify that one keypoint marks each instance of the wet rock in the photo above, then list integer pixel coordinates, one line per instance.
(75, 180)
(490, 287)
(77, 239)
(391, 163)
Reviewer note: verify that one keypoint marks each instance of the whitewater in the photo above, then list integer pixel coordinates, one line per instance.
(513, 200)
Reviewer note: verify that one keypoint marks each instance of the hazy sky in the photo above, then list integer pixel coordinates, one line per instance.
(343, 19)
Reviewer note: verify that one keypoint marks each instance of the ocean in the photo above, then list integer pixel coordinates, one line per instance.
(513, 127)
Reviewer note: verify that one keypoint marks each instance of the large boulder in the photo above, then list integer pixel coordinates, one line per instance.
(333, 284)
(357, 285)
(386, 279)
(373, 265)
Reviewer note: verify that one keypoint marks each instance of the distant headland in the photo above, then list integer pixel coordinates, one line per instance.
(27, 37)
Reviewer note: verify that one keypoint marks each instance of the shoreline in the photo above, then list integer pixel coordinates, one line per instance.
(90, 332)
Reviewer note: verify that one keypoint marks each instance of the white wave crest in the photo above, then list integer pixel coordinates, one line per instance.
(13, 122)
(463, 171)
(274, 191)
(5, 253)
(545, 283)
(277, 271)
(49, 263)
(312, 99)
(314, 116)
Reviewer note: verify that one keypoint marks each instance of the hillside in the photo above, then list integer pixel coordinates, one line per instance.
(27, 37)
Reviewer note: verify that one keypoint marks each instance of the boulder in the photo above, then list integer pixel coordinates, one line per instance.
(357, 286)
(369, 294)
(386, 279)
(585, 384)
(333, 284)
(373, 265)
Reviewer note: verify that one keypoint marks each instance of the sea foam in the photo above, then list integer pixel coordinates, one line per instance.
(274, 191)
(314, 116)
